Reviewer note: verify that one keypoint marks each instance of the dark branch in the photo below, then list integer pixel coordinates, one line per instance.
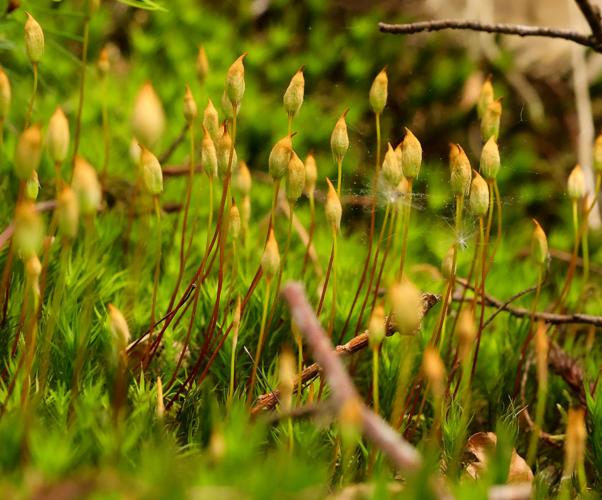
(269, 400)
(521, 312)
(173, 146)
(505, 29)
(399, 451)
(592, 16)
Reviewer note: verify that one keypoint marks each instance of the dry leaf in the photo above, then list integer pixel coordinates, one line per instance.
(482, 445)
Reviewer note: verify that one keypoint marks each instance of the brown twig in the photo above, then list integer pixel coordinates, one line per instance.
(269, 400)
(180, 170)
(399, 451)
(174, 145)
(306, 411)
(561, 363)
(592, 16)
(569, 369)
(543, 435)
(521, 312)
(505, 29)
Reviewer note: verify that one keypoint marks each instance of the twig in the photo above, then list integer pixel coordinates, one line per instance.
(592, 16)
(399, 451)
(174, 145)
(269, 400)
(516, 296)
(180, 170)
(554, 440)
(569, 369)
(506, 29)
(305, 411)
(520, 312)
(560, 362)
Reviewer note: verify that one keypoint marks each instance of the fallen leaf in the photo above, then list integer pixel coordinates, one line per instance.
(481, 446)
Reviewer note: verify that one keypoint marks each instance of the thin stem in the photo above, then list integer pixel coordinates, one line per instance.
(339, 175)
(404, 240)
(157, 261)
(407, 352)
(282, 266)
(439, 333)
(585, 250)
(189, 184)
(232, 365)
(291, 436)
(378, 139)
(383, 262)
(370, 236)
(264, 316)
(490, 214)
(542, 392)
(58, 177)
(299, 367)
(33, 95)
(373, 269)
(195, 304)
(210, 216)
(333, 307)
(30, 339)
(105, 133)
(530, 333)
(234, 273)
(274, 203)
(498, 208)
(57, 298)
(287, 246)
(573, 262)
(82, 86)
(466, 402)
(326, 280)
(484, 244)
(375, 389)
(312, 228)
(575, 208)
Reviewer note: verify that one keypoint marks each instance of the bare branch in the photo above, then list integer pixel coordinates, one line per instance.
(521, 312)
(592, 16)
(269, 400)
(399, 451)
(166, 155)
(505, 29)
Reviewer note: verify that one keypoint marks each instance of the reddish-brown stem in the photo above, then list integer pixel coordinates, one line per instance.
(183, 252)
(360, 284)
(401, 453)
(481, 292)
(360, 318)
(326, 278)
(195, 370)
(382, 265)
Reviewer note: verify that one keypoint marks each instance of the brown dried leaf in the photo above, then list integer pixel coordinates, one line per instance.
(481, 446)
